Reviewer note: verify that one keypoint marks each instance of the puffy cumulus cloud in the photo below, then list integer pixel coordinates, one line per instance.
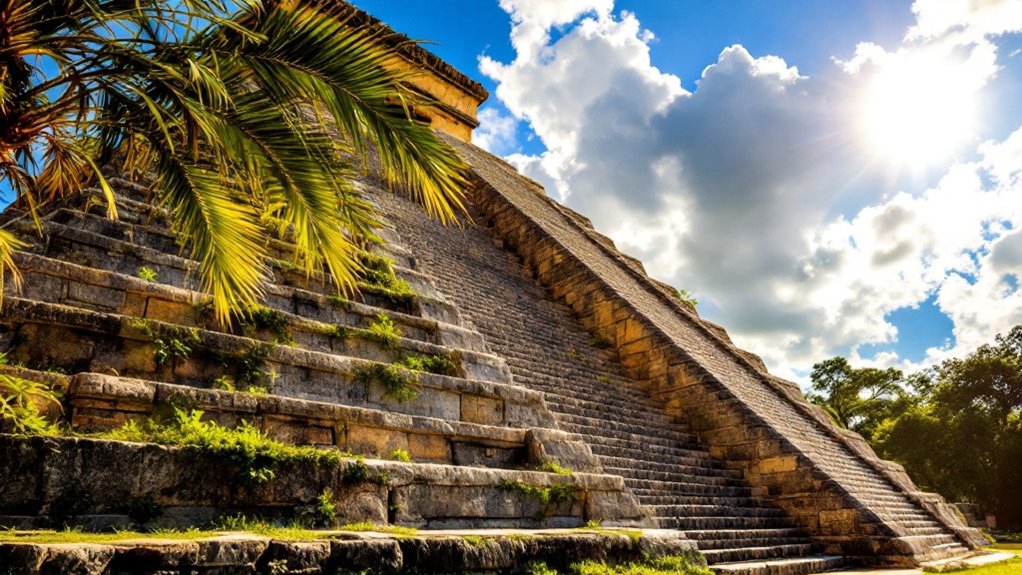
(556, 87)
(496, 132)
(965, 20)
(755, 191)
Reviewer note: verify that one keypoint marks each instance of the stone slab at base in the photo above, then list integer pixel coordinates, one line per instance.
(505, 551)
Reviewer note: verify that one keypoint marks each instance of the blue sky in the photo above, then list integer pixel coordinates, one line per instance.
(827, 177)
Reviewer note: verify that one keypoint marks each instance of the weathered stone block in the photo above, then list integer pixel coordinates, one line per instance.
(483, 410)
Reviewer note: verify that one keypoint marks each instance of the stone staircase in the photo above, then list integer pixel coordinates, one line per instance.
(547, 350)
(123, 347)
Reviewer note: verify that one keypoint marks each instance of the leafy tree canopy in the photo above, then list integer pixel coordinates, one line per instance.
(957, 428)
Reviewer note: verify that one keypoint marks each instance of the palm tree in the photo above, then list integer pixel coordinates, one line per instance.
(247, 117)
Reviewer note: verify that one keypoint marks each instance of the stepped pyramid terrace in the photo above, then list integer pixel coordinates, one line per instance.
(514, 388)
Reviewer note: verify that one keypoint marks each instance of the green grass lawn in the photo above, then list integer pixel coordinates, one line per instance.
(1013, 567)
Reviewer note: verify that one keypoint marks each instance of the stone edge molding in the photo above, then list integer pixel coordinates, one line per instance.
(612, 295)
(346, 552)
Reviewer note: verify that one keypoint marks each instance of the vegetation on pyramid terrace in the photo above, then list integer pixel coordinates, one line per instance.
(212, 100)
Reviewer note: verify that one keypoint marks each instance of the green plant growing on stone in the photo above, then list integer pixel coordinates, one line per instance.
(400, 455)
(271, 320)
(667, 565)
(146, 273)
(248, 369)
(256, 455)
(539, 568)
(554, 467)
(547, 497)
(169, 342)
(398, 383)
(383, 331)
(378, 272)
(321, 513)
(429, 363)
(358, 473)
(685, 298)
(278, 567)
(364, 526)
(18, 411)
(339, 301)
(593, 524)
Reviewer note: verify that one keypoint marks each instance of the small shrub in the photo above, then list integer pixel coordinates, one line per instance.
(400, 455)
(429, 363)
(378, 273)
(398, 383)
(169, 342)
(271, 320)
(321, 513)
(545, 496)
(18, 411)
(146, 273)
(383, 331)
(685, 298)
(539, 568)
(358, 473)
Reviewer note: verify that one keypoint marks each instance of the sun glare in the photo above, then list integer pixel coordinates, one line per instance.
(916, 113)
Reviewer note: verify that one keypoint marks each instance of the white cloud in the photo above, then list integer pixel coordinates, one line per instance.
(965, 20)
(496, 131)
(736, 191)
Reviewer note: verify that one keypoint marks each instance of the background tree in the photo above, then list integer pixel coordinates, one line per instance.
(859, 399)
(957, 428)
(246, 117)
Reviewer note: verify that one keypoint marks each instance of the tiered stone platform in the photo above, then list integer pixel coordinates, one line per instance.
(85, 314)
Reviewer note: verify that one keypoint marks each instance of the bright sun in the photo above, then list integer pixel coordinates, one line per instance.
(916, 113)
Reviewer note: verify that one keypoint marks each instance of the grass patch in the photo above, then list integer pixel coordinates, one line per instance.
(547, 497)
(378, 273)
(398, 383)
(429, 363)
(400, 455)
(245, 446)
(672, 564)
(268, 319)
(554, 467)
(383, 331)
(392, 529)
(146, 273)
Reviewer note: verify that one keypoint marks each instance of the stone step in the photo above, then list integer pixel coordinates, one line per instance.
(714, 556)
(100, 402)
(57, 281)
(75, 340)
(192, 487)
(94, 250)
(653, 489)
(642, 449)
(673, 476)
(651, 441)
(687, 465)
(792, 566)
(714, 522)
(724, 509)
(743, 534)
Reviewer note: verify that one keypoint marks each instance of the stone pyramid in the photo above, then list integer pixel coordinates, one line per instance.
(550, 346)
